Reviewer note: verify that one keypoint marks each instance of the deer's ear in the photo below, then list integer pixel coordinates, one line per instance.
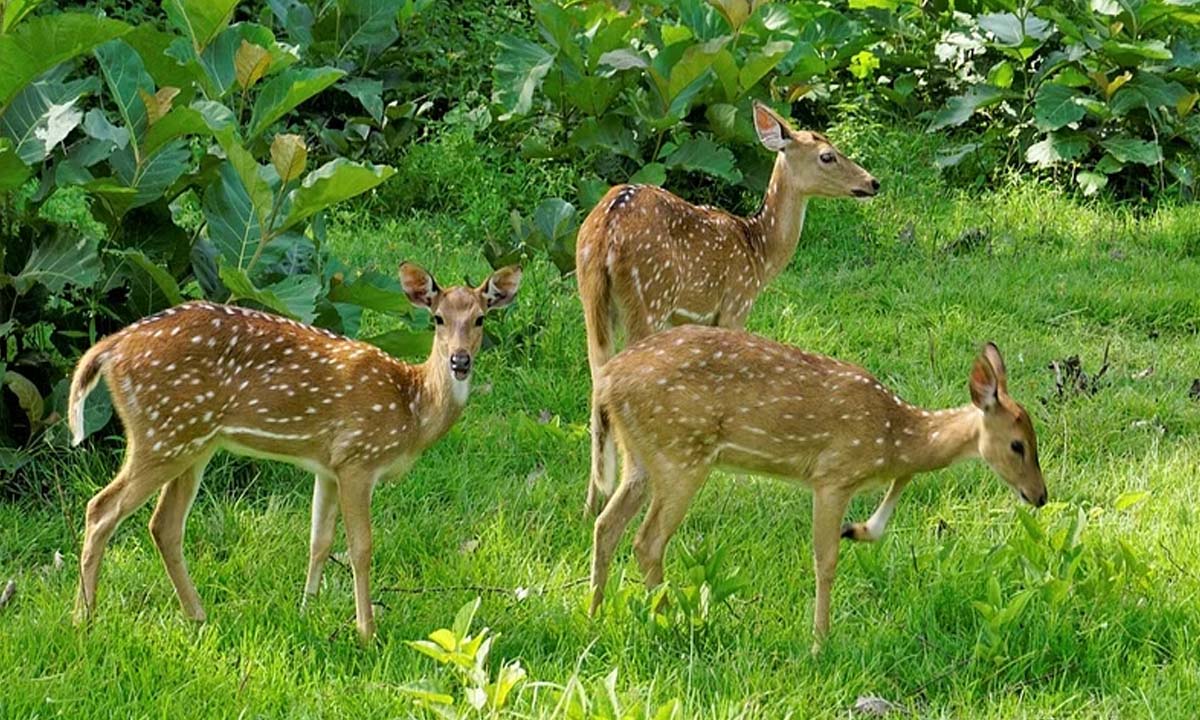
(992, 353)
(419, 285)
(501, 287)
(772, 131)
(985, 387)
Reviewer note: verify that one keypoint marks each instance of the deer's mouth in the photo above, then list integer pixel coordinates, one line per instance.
(863, 193)
(460, 366)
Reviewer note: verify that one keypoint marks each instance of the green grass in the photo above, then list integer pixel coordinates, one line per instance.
(871, 283)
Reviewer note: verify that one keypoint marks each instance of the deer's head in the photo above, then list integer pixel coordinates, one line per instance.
(458, 311)
(815, 165)
(1006, 441)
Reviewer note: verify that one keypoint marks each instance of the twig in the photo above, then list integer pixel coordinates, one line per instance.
(9, 591)
(1166, 551)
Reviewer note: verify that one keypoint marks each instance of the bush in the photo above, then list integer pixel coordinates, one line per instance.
(1090, 90)
(130, 181)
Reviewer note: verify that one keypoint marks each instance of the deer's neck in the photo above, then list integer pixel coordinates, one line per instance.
(440, 398)
(939, 438)
(781, 219)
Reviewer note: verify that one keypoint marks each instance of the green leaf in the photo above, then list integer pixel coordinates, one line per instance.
(623, 59)
(650, 174)
(40, 117)
(219, 59)
(151, 45)
(519, 70)
(13, 171)
(1129, 499)
(124, 74)
(1056, 106)
(960, 108)
(295, 296)
(1148, 91)
(199, 20)
(1010, 31)
(59, 262)
(703, 155)
(608, 133)
(554, 218)
(1056, 148)
(331, 183)
(1127, 149)
(285, 91)
(369, 24)
(28, 397)
(368, 92)
(1132, 54)
(179, 122)
(1106, 7)
(154, 174)
(403, 343)
(758, 64)
(233, 224)
(374, 291)
(163, 279)
(1001, 74)
(464, 617)
(40, 43)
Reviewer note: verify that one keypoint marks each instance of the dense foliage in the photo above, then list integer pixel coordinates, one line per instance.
(1092, 89)
(131, 177)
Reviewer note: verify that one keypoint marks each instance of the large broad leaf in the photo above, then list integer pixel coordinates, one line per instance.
(374, 291)
(1056, 148)
(758, 64)
(233, 224)
(403, 343)
(41, 116)
(287, 90)
(219, 59)
(703, 155)
(960, 108)
(368, 92)
(369, 24)
(199, 20)
(520, 68)
(1011, 31)
(151, 177)
(608, 133)
(59, 262)
(331, 183)
(294, 297)
(1132, 150)
(125, 75)
(1149, 92)
(1133, 54)
(179, 122)
(13, 171)
(296, 18)
(1056, 106)
(156, 273)
(152, 45)
(1091, 182)
(40, 43)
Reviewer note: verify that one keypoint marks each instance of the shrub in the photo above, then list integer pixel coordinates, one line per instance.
(130, 180)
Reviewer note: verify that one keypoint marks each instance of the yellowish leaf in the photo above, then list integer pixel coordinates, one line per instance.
(288, 155)
(250, 63)
(159, 103)
(798, 91)
(1186, 103)
(1116, 83)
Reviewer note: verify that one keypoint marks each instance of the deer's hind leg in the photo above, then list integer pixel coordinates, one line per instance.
(612, 522)
(167, 528)
(140, 476)
(673, 489)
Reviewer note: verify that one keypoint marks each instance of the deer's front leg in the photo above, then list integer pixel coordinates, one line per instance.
(872, 529)
(828, 508)
(354, 493)
(324, 520)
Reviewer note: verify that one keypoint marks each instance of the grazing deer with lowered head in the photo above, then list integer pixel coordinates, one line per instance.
(653, 260)
(692, 398)
(201, 377)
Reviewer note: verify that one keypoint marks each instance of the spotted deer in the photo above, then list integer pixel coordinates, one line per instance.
(692, 398)
(651, 260)
(202, 377)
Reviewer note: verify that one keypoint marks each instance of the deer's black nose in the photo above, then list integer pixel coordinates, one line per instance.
(874, 184)
(460, 364)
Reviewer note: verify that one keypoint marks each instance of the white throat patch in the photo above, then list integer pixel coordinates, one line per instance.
(460, 389)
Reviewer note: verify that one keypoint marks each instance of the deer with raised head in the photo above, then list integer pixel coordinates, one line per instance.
(650, 260)
(202, 377)
(693, 398)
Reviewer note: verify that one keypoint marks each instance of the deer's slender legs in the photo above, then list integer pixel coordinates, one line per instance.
(872, 530)
(829, 505)
(354, 494)
(324, 521)
(137, 480)
(604, 461)
(612, 523)
(671, 496)
(167, 528)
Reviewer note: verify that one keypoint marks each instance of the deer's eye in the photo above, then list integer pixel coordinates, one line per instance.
(479, 321)
(828, 157)
(439, 319)
(1018, 447)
